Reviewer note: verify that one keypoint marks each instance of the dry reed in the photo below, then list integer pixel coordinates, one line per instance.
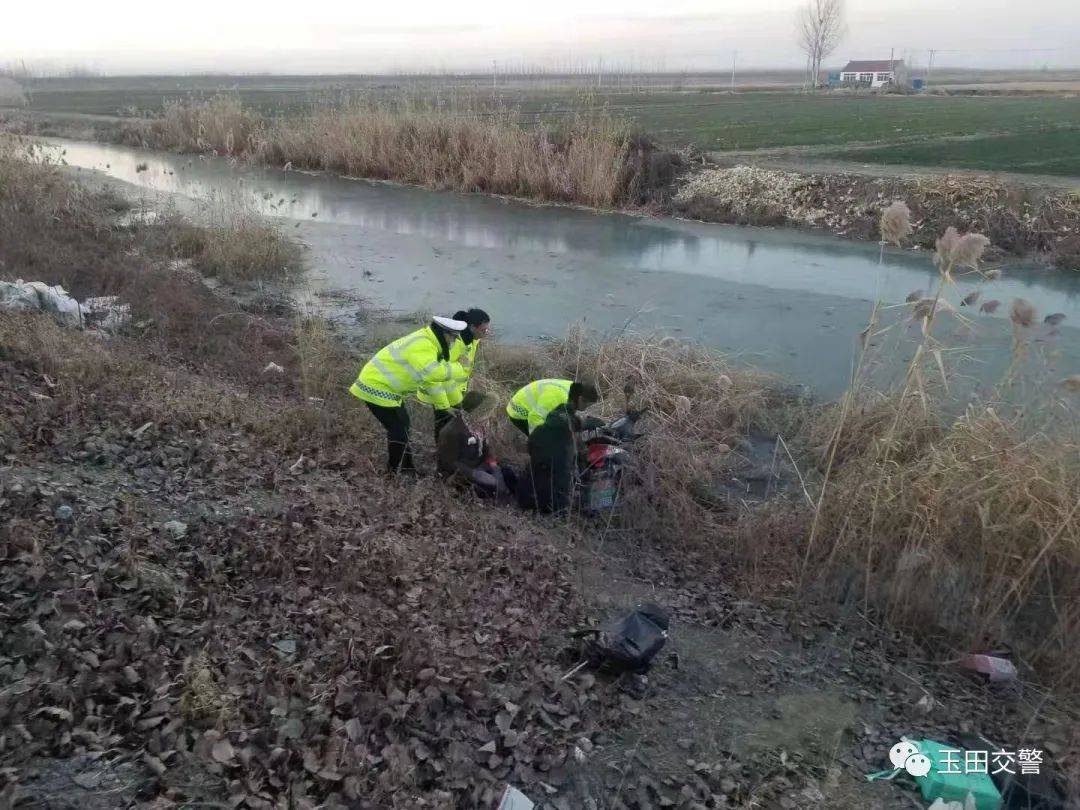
(700, 409)
(965, 528)
(895, 224)
(236, 244)
(586, 161)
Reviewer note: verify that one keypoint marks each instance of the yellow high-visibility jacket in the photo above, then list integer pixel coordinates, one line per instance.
(537, 399)
(449, 394)
(402, 368)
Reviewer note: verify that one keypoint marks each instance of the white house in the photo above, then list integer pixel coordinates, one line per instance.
(872, 73)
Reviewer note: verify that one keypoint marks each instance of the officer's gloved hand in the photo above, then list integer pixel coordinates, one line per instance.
(591, 423)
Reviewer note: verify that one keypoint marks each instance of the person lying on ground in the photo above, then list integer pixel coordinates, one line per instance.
(446, 396)
(465, 455)
(548, 483)
(417, 360)
(530, 406)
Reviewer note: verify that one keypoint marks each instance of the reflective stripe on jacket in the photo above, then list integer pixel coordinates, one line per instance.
(450, 394)
(537, 399)
(400, 369)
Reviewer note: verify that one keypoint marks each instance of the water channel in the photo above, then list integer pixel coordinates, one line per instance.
(782, 300)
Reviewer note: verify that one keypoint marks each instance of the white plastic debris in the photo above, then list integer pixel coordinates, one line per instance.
(37, 296)
(514, 799)
(136, 216)
(105, 313)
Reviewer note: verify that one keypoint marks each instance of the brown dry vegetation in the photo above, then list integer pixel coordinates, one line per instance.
(700, 408)
(55, 231)
(591, 161)
(236, 245)
(964, 526)
(970, 530)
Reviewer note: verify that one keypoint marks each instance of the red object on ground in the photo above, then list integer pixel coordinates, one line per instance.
(597, 453)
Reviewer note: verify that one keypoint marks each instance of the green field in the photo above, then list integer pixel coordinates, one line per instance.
(1021, 133)
(1052, 152)
(763, 120)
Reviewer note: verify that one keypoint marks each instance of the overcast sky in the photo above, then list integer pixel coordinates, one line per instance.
(125, 36)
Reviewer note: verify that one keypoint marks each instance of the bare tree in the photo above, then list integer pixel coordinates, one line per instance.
(821, 27)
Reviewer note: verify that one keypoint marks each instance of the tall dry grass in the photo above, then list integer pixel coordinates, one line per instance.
(588, 161)
(961, 526)
(32, 185)
(699, 409)
(234, 243)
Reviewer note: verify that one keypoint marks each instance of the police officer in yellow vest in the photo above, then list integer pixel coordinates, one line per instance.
(530, 406)
(446, 396)
(418, 360)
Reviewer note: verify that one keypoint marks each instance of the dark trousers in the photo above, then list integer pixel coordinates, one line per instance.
(396, 422)
(544, 488)
(521, 424)
(441, 419)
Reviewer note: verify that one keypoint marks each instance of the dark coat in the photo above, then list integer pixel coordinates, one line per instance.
(456, 455)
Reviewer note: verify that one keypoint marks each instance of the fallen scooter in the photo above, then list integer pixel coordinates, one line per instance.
(603, 460)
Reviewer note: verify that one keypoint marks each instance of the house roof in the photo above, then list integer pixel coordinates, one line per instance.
(873, 66)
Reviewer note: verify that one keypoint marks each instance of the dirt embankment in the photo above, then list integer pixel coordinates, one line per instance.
(1019, 220)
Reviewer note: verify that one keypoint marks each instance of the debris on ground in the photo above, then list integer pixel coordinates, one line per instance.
(630, 642)
(994, 668)
(105, 312)
(36, 296)
(514, 799)
(102, 312)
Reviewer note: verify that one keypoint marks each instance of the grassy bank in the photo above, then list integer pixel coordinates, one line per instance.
(594, 161)
(965, 525)
(962, 530)
(54, 230)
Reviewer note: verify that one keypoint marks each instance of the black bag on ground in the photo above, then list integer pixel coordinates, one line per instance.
(629, 643)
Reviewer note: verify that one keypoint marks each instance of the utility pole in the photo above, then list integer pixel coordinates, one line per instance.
(734, 56)
(494, 77)
(930, 67)
(599, 72)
